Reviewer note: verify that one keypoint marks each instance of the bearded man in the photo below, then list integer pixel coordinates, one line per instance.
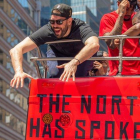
(61, 26)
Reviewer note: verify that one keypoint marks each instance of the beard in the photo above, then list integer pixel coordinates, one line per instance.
(63, 31)
(127, 17)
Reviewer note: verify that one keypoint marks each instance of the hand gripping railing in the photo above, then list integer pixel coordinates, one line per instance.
(120, 57)
(43, 60)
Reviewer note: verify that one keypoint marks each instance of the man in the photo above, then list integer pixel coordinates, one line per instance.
(116, 23)
(61, 26)
(100, 67)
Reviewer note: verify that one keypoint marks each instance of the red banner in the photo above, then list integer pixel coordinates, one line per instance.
(89, 108)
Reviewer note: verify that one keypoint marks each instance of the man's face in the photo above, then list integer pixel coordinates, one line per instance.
(59, 29)
(129, 11)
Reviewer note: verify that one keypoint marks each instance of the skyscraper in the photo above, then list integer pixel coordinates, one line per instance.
(91, 12)
(18, 19)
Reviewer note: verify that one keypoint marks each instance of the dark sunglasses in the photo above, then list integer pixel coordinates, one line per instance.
(59, 22)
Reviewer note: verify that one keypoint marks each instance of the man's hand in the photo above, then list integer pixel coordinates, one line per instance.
(69, 70)
(19, 79)
(99, 66)
(122, 7)
(117, 43)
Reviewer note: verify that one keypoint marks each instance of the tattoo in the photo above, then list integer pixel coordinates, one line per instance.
(117, 30)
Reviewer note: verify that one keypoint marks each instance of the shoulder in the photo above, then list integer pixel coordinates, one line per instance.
(44, 31)
(110, 15)
(79, 25)
(77, 22)
(47, 28)
(43, 35)
(81, 30)
(109, 19)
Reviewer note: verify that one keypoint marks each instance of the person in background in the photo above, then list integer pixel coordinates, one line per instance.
(100, 67)
(61, 26)
(52, 69)
(120, 22)
(132, 31)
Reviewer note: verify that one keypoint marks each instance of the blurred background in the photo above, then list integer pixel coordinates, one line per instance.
(18, 19)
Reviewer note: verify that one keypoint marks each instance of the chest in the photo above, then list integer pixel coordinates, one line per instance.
(126, 26)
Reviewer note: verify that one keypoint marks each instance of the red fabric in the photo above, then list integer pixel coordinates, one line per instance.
(131, 46)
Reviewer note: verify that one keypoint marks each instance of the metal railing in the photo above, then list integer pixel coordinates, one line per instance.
(120, 57)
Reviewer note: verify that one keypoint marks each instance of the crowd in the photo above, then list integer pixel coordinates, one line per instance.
(61, 26)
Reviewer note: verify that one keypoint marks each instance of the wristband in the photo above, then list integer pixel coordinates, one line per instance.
(77, 59)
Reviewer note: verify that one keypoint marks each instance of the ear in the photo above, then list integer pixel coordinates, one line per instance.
(70, 21)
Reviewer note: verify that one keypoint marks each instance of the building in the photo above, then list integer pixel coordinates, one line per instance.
(18, 19)
(113, 5)
(91, 11)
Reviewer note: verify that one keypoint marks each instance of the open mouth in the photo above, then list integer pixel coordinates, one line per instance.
(127, 17)
(57, 31)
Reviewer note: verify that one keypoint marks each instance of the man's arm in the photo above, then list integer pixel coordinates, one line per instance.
(90, 48)
(118, 25)
(17, 57)
(133, 31)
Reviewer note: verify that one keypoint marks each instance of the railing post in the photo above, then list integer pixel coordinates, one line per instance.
(37, 68)
(120, 55)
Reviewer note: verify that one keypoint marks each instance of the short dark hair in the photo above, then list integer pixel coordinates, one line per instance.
(131, 1)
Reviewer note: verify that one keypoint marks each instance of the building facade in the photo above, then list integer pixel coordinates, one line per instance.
(18, 19)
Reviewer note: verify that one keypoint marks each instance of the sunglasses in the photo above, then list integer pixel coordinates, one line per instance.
(59, 22)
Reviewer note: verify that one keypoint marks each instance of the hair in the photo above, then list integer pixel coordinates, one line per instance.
(128, 0)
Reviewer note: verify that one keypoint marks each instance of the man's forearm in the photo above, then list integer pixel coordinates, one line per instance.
(17, 53)
(16, 58)
(88, 51)
(133, 31)
(117, 30)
